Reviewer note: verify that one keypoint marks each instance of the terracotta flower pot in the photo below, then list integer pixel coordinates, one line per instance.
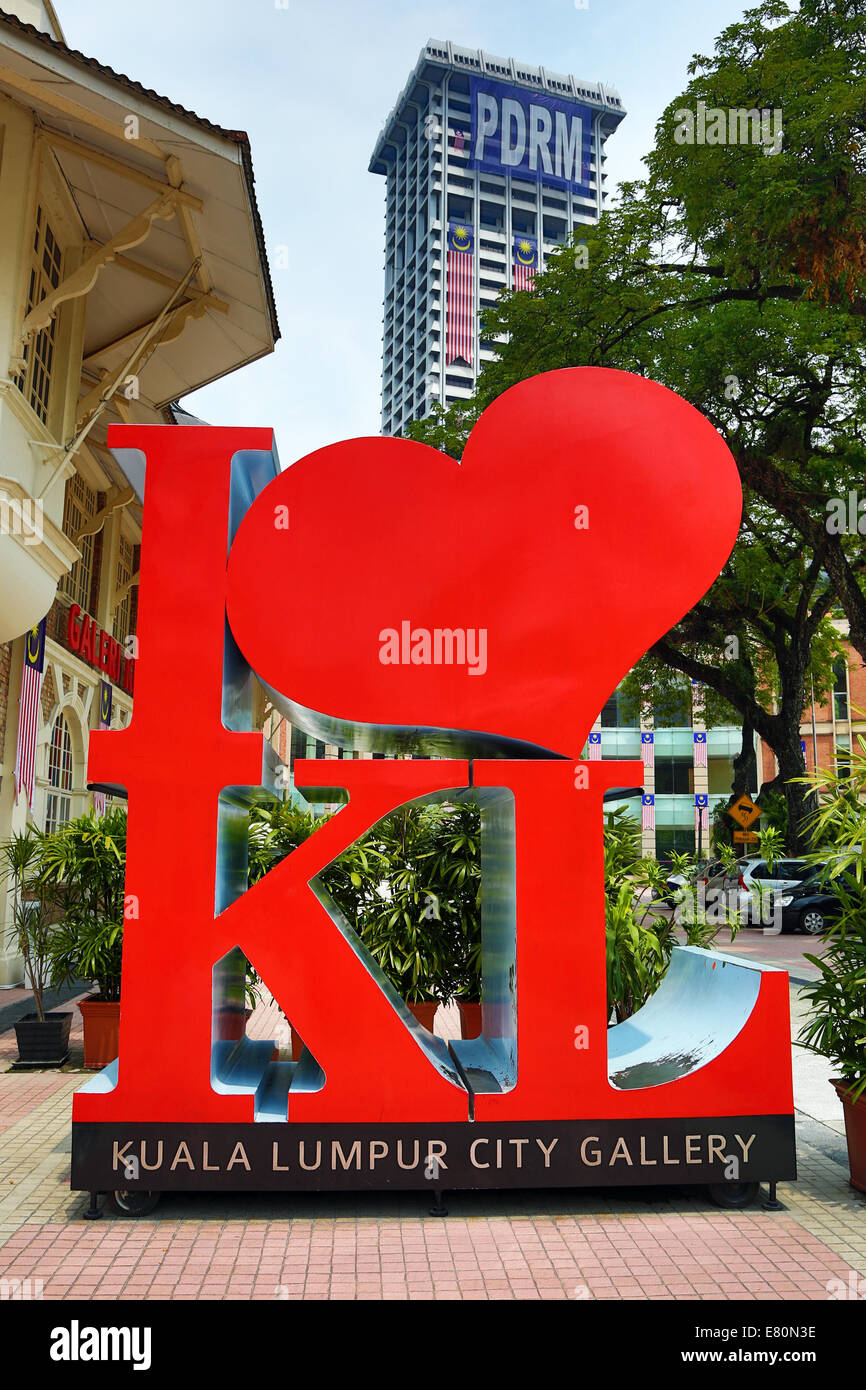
(230, 1024)
(470, 1018)
(101, 1031)
(855, 1132)
(425, 1012)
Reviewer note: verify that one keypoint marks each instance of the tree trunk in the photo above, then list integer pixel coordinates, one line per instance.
(799, 798)
(744, 762)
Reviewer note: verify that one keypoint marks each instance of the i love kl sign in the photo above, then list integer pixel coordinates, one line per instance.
(389, 598)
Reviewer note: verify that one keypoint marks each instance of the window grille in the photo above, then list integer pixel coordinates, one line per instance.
(34, 381)
(79, 507)
(59, 802)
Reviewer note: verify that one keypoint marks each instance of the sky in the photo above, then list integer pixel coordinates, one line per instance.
(312, 84)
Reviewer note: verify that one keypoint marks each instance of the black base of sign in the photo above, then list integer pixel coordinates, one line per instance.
(574, 1153)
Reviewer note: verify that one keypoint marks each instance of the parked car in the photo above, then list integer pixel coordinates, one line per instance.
(701, 874)
(751, 888)
(812, 906)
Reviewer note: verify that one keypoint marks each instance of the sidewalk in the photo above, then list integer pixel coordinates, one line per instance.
(641, 1244)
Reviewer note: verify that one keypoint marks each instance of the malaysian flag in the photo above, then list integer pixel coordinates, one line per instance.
(700, 741)
(594, 747)
(459, 141)
(28, 710)
(648, 749)
(647, 811)
(702, 813)
(460, 297)
(106, 695)
(524, 254)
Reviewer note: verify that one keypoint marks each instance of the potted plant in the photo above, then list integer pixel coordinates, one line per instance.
(43, 1037)
(410, 889)
(454, 871)
(639, 935)
(84, 862)
(276, 828)
(403, 896)
(836, 1027)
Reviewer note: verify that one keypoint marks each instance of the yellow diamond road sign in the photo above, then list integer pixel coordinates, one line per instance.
(744, 811)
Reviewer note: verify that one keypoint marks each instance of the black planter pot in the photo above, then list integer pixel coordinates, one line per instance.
(43, 1044)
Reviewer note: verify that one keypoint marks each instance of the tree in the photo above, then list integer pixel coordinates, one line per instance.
(777, 364)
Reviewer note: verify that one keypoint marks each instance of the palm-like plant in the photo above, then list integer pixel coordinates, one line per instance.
(84, 864)
(639, 936)
(32, 909)
(412, 889)
(837, 1026)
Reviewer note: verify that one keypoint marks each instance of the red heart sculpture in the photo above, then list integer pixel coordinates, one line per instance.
(554, 603)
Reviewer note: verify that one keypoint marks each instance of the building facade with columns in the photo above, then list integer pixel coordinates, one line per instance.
(677, 773)
(132, 272)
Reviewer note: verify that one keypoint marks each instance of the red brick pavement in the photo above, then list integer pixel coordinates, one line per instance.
(708, 1256)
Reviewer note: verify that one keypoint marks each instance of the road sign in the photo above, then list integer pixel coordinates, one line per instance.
(745, 837)
(744, 811)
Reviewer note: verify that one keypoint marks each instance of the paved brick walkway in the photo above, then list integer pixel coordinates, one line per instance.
(649, 1244)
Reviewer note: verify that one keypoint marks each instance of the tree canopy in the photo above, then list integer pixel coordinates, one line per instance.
(735, 274)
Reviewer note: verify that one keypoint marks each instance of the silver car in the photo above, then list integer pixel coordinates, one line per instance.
(749, 885)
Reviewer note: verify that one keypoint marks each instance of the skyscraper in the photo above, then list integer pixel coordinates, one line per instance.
(490, 164)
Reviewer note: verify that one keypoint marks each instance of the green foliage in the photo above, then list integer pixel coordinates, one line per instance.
(836, 1027)
(639, 934)
(737, 278)
(771, 845)
(411, 889)
(276, 828)
(32, 908)
(774, 813)
(83, 863)
(422, 922)
(795, 217)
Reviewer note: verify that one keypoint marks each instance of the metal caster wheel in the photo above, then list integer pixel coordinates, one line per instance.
(733, 1195)
(133, 1204)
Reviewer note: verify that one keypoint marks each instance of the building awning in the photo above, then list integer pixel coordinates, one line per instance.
(175, 274)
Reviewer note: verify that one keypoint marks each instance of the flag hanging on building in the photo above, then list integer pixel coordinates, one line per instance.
(648, 749)
(461, 243)
(702, 811)
(28, 710)
(524, 255)
(648, 811)
(459, 141)
(700, 740)
(594, 747)
(106, 696)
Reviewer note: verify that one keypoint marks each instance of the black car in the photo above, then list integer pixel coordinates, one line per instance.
(812, 906)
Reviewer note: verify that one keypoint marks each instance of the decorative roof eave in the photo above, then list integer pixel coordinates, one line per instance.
(239, 138)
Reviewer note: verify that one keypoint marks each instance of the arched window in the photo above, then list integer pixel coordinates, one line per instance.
(59, 802)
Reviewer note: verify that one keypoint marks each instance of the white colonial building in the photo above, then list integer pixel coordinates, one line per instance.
(132, 271)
